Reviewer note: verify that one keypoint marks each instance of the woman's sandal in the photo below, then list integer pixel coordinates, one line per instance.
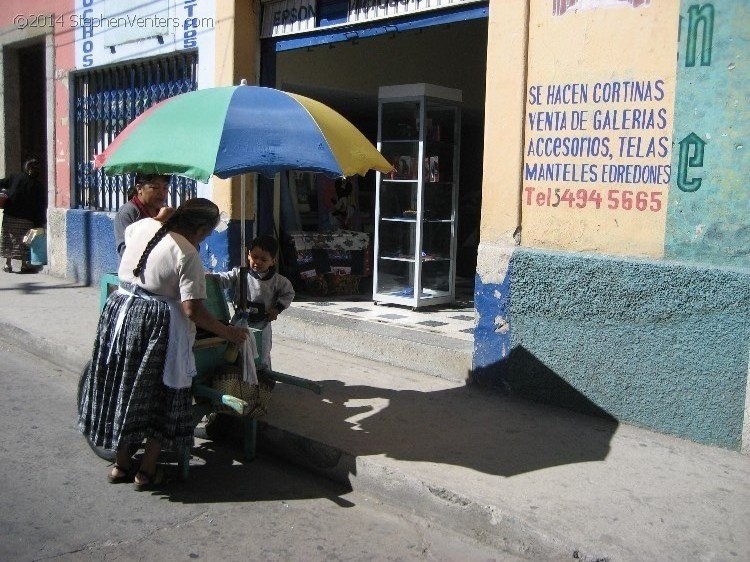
(149, 481)
(8, 269)
(126, 474)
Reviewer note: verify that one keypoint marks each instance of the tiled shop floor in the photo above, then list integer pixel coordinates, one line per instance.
(455, 320)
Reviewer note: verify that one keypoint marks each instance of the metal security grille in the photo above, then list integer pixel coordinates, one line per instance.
(106, 100)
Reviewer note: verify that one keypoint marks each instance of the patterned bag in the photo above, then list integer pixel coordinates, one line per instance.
(257, 396)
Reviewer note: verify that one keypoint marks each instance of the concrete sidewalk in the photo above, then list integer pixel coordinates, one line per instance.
(536, 481)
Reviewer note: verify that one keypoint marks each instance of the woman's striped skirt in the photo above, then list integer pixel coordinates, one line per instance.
(124, 399)
(11, 239)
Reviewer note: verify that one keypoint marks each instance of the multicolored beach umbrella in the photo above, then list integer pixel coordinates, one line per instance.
(239, 129)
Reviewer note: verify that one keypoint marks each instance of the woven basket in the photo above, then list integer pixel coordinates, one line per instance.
(258, 396)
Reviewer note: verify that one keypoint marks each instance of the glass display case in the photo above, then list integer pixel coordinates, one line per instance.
(416, 203)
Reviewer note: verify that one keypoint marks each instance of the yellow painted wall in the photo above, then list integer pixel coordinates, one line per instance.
(568, 201)
(504, 114)
(236, 57)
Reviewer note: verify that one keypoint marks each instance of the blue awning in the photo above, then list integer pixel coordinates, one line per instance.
(325, 36)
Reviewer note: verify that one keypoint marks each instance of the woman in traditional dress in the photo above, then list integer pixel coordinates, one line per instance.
(138, 385)
(25, 207)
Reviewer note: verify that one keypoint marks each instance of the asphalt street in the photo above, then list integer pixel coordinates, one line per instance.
(56, 504)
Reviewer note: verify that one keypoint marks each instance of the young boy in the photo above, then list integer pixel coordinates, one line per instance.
(268, 292)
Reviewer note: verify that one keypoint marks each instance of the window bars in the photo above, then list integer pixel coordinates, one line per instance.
(106, 101)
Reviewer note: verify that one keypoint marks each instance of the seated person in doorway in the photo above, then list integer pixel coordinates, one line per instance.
(148, 198)
(268, 292)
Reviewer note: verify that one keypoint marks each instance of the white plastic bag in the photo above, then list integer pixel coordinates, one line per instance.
(249, 355)
(248, 350)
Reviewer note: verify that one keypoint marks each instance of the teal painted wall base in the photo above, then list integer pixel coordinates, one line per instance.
(656, 344)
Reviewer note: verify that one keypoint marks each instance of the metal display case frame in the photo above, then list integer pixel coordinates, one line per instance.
(416, 204)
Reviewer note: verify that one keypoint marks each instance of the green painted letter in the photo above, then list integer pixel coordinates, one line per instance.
(696, 161)
(698, 14)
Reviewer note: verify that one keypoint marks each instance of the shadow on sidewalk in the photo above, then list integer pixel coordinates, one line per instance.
(218, 475)
(465, 426)
(32, 288)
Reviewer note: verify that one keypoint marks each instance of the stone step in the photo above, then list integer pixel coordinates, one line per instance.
(430, 353)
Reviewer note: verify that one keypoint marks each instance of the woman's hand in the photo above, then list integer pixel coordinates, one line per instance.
(235, 334)
(164, 213)
(197, 312)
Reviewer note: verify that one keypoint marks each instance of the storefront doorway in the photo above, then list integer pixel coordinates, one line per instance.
(25, 106)
(346, 75)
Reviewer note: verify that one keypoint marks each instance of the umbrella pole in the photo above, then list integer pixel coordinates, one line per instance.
(243, 268)
(243, 259)
(243, 248)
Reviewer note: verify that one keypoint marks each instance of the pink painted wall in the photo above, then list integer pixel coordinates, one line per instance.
(64, 63)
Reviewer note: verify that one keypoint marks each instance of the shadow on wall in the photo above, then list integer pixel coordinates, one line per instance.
(91, 250)
(77, 228)
(463, 426)
(92, 253)
(524, 375)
